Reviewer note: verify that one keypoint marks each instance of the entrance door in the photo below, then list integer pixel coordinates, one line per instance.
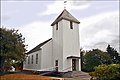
(73, 64)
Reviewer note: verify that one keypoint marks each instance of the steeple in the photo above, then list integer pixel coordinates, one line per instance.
(65, 43)
(65, 15)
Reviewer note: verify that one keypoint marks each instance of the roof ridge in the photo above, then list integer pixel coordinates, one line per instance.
(38, 46)
(65, 15)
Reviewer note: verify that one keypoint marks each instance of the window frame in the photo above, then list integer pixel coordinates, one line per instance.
(71, 25)
(56, 64)
(37, 58)
(32, 59)
(28, 59)
(57, 26)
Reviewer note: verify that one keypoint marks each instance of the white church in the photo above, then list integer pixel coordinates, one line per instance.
(62, 51)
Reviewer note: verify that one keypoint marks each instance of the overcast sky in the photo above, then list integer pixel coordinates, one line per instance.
(99, 20)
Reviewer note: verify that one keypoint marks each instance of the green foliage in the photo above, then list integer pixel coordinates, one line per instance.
(12, 46)
(107, 72)
(94, 58)
(113, 54)
(81, 55)
(7, 64)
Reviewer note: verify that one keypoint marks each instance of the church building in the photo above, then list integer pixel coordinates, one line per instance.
(62, 51)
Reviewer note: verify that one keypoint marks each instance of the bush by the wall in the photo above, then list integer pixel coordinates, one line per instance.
(107, 72)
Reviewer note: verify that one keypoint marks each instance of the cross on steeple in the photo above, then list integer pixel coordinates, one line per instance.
(65, 3)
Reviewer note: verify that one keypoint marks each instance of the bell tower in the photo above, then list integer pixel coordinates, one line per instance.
(66, 48)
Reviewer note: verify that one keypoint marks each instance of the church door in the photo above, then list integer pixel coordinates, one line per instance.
(73, 64)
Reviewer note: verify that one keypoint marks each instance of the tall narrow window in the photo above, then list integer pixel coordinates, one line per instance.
(36, 58)
(71, 25)
(28, 59)
(56, 26)
(32, 60)
(56, 64)
(25, 60)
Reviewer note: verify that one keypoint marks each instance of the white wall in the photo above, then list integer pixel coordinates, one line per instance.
(44, 59)
(65, 43)
(70, 42)
(57, 45)
(67, 66)
(79, 64)
(46, 56)
(33, 66)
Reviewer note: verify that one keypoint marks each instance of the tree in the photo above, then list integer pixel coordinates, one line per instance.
(113, 54)
(81, 55)
(94, 58)
(12, 47)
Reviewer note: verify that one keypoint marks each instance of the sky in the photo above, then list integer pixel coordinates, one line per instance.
(99, 20)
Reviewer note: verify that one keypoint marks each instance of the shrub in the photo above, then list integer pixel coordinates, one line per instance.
(107, 72)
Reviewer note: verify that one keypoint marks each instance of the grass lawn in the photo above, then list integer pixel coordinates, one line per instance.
(24, 77)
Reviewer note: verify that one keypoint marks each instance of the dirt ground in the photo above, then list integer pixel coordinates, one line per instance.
(25, 77)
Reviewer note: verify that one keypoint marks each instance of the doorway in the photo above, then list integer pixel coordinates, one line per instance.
(73, 64)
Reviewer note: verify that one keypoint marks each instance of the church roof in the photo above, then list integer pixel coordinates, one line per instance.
(71, 57)
(65, 15)
(38, 46)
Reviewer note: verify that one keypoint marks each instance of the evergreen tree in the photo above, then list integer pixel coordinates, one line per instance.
(113, 54)
(81, 56)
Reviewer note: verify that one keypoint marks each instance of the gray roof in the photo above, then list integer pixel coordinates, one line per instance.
(65, 15)
(69, 57)
(38, 46)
